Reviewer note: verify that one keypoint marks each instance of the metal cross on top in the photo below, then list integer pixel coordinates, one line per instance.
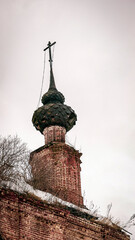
(50, 56)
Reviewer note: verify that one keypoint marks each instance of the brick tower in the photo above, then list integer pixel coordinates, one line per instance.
(28, 214)
(56, 165)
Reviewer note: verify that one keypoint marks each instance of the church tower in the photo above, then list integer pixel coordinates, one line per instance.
(28, 214)
(56, 165)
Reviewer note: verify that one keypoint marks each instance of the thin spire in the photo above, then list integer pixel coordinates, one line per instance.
(52, 95)
(52, 82)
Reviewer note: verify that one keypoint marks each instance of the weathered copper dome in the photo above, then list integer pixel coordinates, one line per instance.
(53, 112)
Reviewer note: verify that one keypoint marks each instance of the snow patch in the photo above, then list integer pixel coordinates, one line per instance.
(23, 187)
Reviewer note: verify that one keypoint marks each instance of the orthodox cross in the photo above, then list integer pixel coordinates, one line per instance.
(50, 55)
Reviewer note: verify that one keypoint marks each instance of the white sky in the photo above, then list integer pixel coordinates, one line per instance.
(94, 69)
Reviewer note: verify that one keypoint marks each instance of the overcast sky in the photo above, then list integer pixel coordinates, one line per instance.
(94, 67)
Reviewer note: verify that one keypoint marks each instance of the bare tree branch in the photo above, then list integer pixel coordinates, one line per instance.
(14, 159)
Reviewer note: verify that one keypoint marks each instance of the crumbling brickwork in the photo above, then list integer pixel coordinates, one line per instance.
(24, 217)
(54, 134)
(56, 169)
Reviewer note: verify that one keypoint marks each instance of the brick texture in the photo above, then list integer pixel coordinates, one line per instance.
(54, 134)
(56, 169)
(24, 217)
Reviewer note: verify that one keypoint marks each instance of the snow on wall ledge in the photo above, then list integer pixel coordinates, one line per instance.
(22, 218)
(23, 187)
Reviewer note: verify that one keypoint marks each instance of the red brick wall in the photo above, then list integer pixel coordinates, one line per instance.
(56, 169)
(23, 217)
(54, 134)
